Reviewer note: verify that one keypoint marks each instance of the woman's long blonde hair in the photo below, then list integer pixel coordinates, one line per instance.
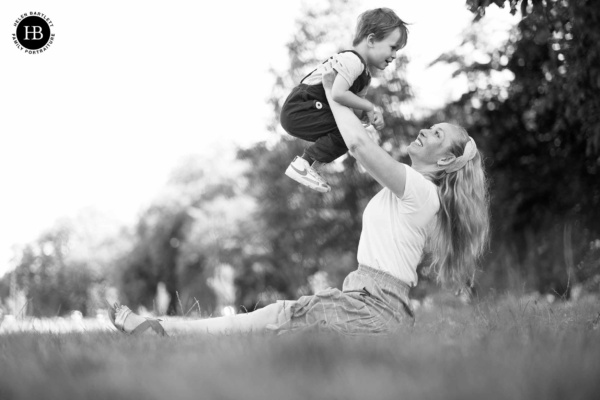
(462, 228)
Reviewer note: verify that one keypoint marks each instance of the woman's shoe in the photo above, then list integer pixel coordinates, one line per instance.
(118, 314)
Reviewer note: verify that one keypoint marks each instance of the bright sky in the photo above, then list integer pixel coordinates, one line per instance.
(130, 87)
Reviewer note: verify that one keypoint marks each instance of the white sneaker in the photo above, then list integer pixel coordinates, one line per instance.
(301, 172)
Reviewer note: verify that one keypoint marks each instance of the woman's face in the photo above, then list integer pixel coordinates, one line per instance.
(433, 144)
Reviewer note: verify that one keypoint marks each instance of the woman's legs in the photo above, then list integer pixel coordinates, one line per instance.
(254, 321)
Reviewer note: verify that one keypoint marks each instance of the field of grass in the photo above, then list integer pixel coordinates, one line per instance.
(502, 349)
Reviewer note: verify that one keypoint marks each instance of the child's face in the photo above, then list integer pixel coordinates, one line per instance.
(381, 53)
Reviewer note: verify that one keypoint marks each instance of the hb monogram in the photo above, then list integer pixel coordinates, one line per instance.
(35, 31)
(33, 34)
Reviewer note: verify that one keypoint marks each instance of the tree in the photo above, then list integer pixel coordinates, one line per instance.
(67, 267)
(565, 38)
(541, 136)
(185, 234)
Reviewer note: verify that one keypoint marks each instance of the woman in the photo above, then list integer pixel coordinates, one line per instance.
(440, 201)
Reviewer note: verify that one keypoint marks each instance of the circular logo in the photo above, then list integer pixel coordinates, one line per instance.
(33, 32)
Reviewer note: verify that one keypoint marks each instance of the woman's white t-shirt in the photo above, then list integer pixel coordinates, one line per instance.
(395, 229)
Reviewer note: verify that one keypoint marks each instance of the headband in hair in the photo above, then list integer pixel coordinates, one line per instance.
(468, 154)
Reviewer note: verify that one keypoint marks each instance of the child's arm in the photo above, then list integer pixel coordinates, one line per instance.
(341, 94)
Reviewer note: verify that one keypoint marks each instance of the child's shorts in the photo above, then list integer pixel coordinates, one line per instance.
(307, 115)
(371, 302)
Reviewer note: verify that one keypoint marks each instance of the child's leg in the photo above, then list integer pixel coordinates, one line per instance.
(311, 120)
(327, 148)
(306, 118)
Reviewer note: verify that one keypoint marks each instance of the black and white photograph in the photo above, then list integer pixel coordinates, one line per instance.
(300, 199)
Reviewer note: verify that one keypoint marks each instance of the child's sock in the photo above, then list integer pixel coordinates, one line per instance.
(308, 158)
(317, 165)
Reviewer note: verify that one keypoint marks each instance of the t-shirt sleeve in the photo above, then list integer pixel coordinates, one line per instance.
(417, 191)
(348, 65)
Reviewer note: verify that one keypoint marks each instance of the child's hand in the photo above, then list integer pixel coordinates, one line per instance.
(328, 75)
(376, 118)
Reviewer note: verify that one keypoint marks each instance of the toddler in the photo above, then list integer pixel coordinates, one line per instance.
(380, 33)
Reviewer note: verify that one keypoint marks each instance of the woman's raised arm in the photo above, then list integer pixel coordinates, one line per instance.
(378, 163)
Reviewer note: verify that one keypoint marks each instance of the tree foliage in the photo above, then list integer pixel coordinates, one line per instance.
(66, 267)
(541, 134)
(187, 232)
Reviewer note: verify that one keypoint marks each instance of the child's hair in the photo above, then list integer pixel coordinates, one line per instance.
(380, 22)
(462, 227)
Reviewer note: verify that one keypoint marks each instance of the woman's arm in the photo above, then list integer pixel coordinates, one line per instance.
(378, 163)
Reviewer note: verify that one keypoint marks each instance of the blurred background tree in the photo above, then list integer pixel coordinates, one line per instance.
(65, 268)
(191, 229)
(541, 135)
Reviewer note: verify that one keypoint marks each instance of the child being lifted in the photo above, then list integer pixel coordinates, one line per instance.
(380, 33)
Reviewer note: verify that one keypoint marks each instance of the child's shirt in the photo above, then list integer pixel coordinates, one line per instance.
(350, 66)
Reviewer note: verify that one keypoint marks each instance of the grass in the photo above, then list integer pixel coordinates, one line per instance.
(503, 349)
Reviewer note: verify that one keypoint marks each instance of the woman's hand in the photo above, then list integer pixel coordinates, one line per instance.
(376, 118)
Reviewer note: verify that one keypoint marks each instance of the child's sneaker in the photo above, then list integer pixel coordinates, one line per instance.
(301, 172)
